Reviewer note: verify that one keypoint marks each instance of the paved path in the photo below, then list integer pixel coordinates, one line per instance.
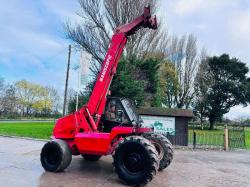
(20, 167)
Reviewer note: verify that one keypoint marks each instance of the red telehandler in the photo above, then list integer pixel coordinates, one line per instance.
(110, 125)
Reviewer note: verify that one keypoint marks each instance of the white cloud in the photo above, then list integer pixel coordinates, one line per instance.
(22, 29)
(221, 26)
(202, 27)
(188, 7)
(65, 10)
(32, 40)
(182, 7)
(238, 112)
(239, 27)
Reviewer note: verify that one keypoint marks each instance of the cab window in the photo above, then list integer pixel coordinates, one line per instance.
(114, 112)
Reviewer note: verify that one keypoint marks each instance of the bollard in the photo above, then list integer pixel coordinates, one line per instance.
(226, 138)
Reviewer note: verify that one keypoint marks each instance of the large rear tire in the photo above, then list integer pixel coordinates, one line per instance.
(91, 158)
(135, 160)
(164, 148)
(55, 155)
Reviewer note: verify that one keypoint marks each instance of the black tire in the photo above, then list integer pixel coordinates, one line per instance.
(164, 148)
(55, 155)
(91, 158)
(135, 160)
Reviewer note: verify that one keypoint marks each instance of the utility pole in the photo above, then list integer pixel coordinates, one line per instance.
(78, 87)
(66, 83)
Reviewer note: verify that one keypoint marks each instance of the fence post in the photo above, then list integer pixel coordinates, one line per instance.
(244, 137)
(194, 140)
(226, 142)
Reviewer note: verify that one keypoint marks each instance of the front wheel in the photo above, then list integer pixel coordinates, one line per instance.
(55, 155)
(135, 160)
(163, 147)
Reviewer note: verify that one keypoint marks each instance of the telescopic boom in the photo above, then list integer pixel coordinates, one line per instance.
(97, 101)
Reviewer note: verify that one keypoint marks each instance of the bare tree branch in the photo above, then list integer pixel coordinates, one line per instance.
(183, 53)
(100, 18)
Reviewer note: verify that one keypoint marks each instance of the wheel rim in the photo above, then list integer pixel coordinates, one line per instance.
(134, 162)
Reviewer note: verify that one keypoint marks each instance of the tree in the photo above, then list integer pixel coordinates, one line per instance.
(1, 93)
(8, 101)
(183, 54)
(247, 87)
(225, 86)
(25, 96)
(201, 87)
(126, 82)
(135, 78)
(148, 73)
(1, 84)
(83, 98)
(36, 99)
(28, 99)
(54, 97)
(42, 103)
(168, 84)
(98, 21)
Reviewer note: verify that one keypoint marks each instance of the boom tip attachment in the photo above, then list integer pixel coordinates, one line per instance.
(149, 21)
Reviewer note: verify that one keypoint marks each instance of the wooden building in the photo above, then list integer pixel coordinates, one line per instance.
(171, 122)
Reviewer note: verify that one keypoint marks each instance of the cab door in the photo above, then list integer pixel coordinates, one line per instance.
(114, 115)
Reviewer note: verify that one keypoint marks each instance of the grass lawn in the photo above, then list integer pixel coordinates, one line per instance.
(42, 130)
(247, 134)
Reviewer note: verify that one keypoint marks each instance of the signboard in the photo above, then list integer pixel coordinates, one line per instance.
(161, 125)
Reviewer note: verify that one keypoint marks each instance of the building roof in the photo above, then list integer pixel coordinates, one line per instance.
(159, 111)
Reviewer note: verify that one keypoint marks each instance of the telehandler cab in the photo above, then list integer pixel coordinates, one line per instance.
(109, 125)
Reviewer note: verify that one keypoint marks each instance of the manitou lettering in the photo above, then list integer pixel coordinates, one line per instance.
(105, 68)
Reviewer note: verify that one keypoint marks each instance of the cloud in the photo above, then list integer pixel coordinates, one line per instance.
(238, 33)
(181, 7)
(67, 10)
(191, 7)
(238, 112)
(33, 45)
(221, 26)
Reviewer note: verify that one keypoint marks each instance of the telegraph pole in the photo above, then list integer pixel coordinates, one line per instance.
(66, 83)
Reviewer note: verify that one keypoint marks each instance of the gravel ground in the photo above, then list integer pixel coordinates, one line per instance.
(20, 167)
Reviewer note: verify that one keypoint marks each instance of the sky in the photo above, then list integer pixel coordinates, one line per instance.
(221, 26)
(33, 45)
